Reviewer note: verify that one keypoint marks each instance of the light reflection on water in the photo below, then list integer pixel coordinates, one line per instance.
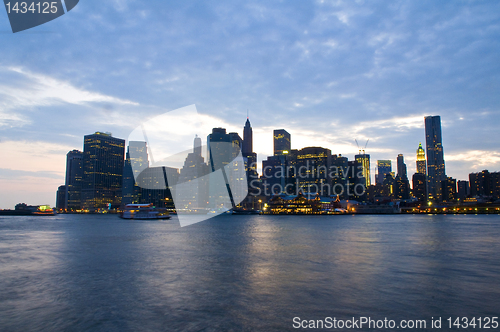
(75, 272)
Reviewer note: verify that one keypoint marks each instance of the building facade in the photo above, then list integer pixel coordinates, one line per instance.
(384, 167)
(421, 163)
(363, 159)
(281, 141)
(74, 176)
(103, 161)
(435, 157)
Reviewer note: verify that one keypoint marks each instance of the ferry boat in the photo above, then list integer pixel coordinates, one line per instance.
(144, 212)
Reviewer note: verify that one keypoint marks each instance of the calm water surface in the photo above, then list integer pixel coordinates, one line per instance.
(243, 273)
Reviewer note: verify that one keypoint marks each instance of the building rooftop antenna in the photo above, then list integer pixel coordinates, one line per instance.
(357, 145)
(365, 146)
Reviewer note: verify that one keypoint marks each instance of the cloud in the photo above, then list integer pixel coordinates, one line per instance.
(35, 89)
(476, 158)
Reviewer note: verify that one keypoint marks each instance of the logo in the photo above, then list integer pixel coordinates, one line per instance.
(25, 15)
(204, 180)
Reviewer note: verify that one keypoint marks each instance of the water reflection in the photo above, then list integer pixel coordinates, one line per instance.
(243, 272)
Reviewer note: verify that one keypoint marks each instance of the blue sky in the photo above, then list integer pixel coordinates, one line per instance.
(327, 71)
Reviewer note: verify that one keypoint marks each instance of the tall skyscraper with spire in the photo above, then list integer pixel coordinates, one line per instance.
(247, 148)
(421, 164)
(250, 159)
(435, 157)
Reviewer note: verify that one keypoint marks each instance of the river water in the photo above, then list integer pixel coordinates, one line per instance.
(244, 273)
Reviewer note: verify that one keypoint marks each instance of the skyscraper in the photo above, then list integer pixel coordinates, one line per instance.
(282, 142)
(421, 164)
(247, 138)
(449, 189)
(384, 167)
(419, 187)
(194, 192)
(435, 157)
(103, 159)
(74, 176)
(136, 161)
(247, 150)
(363, 160)
(313, 165)
(402, 170)
(223, 149)
(463, 190)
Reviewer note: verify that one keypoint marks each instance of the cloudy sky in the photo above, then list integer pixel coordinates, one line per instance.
(329, 72)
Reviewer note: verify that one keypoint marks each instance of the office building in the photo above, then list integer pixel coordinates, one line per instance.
(421, 163)
(61, 198)
(435, 157)
(449, 190)
(485, 184)
(363, 160)
(103, 161)
(74, 176)
(463, 190)
(281, 141)
(312, 166)
(135, 162)
(192, 178)
(384, 167)
(356, 183)
(155, 186)
(338, 175)
(419, 183)
(402, 170)
(223, 149)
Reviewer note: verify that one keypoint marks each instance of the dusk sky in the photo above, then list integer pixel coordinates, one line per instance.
(328, 72)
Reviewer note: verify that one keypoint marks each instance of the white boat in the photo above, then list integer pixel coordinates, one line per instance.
(144, 212)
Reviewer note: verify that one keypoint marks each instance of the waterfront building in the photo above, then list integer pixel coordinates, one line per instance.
(194, 192)
(135, 162)
(74, 176)
(421, 163)
(155, 186)
(312, 166)
(294, 204)
(419, 190)
(485, 184)
(338, 175)
(435, 157)
(401, 188)
(463, 190)
(223, 149)
(61, 198)
(449, 190)
(103, 161)
(277, 176)
(384, 167)
(281, 141)
(356, 183)
(363, 160)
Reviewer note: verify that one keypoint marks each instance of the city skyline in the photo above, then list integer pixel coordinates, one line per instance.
(329, 73)
(248, 129)
(321, 176)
